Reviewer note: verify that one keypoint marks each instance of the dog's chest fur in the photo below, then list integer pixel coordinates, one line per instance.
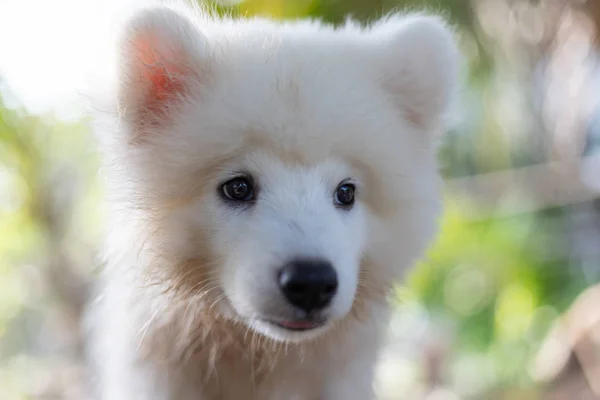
(300, 380)
(231, 363)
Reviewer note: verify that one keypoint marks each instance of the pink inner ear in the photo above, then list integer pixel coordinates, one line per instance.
(162, 72)
(163, 87)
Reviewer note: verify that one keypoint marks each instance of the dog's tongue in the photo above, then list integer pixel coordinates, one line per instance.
(297, 324)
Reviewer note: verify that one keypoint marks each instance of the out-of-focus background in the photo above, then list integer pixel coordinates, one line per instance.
(506, 305)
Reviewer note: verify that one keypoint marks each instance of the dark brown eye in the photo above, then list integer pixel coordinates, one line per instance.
(344, 195)
(238, 189)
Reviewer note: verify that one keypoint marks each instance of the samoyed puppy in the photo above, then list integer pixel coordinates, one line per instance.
(268, 184)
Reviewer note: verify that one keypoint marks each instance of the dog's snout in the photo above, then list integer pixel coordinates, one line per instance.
(308, 284)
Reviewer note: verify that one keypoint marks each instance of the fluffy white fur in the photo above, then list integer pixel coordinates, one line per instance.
(300, 106)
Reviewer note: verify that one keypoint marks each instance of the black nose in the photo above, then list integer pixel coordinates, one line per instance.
(308, 284)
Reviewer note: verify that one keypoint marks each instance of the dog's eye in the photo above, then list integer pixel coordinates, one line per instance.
(238, 189)
(344, 195)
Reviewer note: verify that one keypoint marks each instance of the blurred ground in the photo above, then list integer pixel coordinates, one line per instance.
(504, 306)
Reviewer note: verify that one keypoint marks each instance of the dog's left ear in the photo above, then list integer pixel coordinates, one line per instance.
(163, 59)
(420, 67)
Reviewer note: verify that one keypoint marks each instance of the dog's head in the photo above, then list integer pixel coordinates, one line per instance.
(283, 174)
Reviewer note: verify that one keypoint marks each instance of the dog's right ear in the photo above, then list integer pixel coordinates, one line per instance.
(162, 61)
(421, 64)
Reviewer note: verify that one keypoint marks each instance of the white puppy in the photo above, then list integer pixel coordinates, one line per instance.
(269, 184)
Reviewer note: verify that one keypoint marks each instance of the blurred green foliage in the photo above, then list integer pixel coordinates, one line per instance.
(494, 280)
(49, 228)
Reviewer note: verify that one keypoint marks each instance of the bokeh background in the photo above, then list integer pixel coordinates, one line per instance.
(505, 306)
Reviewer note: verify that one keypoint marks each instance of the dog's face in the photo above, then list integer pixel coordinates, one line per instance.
(291, 238)
(285, 174)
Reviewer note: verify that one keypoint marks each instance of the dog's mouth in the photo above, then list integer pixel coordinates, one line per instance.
(298, 325)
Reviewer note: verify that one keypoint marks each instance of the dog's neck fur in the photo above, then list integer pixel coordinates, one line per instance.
(189, 335)
(198, 333)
